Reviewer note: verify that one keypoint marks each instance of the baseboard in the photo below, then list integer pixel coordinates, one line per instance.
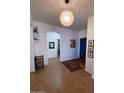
(32, 70)
(45, 63)
(92, 76)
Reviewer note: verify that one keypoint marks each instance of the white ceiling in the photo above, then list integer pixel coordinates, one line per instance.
(48, 11)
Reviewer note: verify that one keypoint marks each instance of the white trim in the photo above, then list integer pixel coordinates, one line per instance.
(32, 70)
(45, 63)
(92, 76)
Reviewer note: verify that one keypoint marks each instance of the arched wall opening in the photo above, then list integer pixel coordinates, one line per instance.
(53, 45)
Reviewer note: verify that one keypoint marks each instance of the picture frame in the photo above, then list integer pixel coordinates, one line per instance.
(90, 48)
(72, 43)
(91, 42)
(51, 45)
(90, 54)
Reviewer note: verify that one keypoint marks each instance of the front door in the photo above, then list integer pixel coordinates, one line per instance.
(83, 48)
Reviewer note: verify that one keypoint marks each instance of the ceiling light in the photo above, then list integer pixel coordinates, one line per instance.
(66, 18)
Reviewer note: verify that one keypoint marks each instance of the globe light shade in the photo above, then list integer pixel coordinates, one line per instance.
(66, 18)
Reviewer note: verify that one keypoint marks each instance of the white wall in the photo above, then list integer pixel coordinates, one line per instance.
(66, 53)
(89, 67)
(40, 48)
(32, 68)
(52, 37)
(81, 34)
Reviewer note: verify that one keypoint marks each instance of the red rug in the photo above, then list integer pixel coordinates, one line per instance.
(72, 65)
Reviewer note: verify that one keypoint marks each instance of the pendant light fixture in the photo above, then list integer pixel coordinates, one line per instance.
(66, 1)
(66, 17)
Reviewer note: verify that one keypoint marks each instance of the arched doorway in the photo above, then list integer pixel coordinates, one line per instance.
(53, 45)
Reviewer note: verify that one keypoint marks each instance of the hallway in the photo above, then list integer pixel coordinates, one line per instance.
(56, 78)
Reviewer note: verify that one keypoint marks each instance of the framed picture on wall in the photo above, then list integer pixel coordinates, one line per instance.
(91, 42)
(90, 54)
(72, 43)
(90, 48)
(51, 45)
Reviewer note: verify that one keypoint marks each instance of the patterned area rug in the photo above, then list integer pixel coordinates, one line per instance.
(72, 65)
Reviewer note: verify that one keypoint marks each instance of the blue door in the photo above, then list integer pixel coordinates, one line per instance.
(83, 48)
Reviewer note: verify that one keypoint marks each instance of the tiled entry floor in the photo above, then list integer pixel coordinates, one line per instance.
(56, 78)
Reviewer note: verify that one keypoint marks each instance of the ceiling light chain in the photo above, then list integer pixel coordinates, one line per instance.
(67, 17)
(66, 1)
